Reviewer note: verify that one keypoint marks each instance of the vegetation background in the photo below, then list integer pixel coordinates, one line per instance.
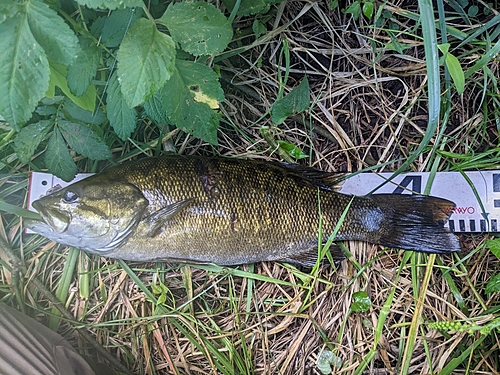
(361, 85)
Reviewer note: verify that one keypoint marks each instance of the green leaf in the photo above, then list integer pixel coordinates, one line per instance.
(212, 33)
(72, 111)
(258, 28)
(298, 100)
(24, 70)
(188, 98)
(83, 69)
(8, 9)
(58, 78)
(494, 246)
(154, 109)
(58, 159)
(29, 138)
(326, 360)
(52, 33)
(117, 24)
(368, 9)
(146, 60)
(292, 150)
(111, 4)
(354, 9)
(493, 285)
(84, 141)
(361, 302)
(121, 117)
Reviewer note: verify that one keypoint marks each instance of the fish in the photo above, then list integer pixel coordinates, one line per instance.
(230, 211)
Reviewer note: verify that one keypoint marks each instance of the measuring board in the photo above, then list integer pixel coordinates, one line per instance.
(470, 215)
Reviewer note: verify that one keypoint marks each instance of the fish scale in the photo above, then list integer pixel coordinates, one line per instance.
(233, 211)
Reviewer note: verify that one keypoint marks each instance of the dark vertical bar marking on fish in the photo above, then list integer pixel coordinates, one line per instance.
(496, 183)
(494, 226)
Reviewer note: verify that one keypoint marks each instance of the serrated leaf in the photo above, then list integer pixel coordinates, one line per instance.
(72, 111)
(298, 100)
(111, 4)
(24, 70)
(57, 158)
(84, 141)
(58, 78)
(212, 33)
(117, 24)
(121, 117)
(8, 9)
(493, 285)
(82, 70)
(181, 100)
(154, 109)
(28, 139)
(146, 60)
(51, 32)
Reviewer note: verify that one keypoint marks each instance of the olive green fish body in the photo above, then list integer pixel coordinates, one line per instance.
(231, 211)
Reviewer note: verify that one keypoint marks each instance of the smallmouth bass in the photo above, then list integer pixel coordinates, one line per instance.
(231, 211)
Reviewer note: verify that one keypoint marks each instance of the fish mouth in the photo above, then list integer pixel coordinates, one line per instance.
(54, 218)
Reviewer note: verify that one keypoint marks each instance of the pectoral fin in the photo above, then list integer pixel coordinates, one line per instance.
(158, 218)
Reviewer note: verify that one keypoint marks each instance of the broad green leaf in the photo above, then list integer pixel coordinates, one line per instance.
(51, 32)
(154, 109)
(212, 33)
(28, 139)
(188, 96)
(24, 70)
(111, 4)
(146, 60)
(58, 78)
(361, 302)
(368, 9)
(494, 246)
(83, 69)
(57, 158)
(72, 111)
(248, 7)
(8, 9)
(121, 117)
(84, 141)
(456, 72)
(298, 100)
(117, 24)
(493, 285)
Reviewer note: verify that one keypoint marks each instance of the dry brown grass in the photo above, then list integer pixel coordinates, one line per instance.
(368, 107)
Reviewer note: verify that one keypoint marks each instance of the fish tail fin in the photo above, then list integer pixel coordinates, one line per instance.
(416, 222)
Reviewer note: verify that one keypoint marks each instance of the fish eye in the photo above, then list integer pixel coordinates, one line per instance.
(70, 196)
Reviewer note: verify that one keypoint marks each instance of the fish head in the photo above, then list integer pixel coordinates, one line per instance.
(93, 215)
